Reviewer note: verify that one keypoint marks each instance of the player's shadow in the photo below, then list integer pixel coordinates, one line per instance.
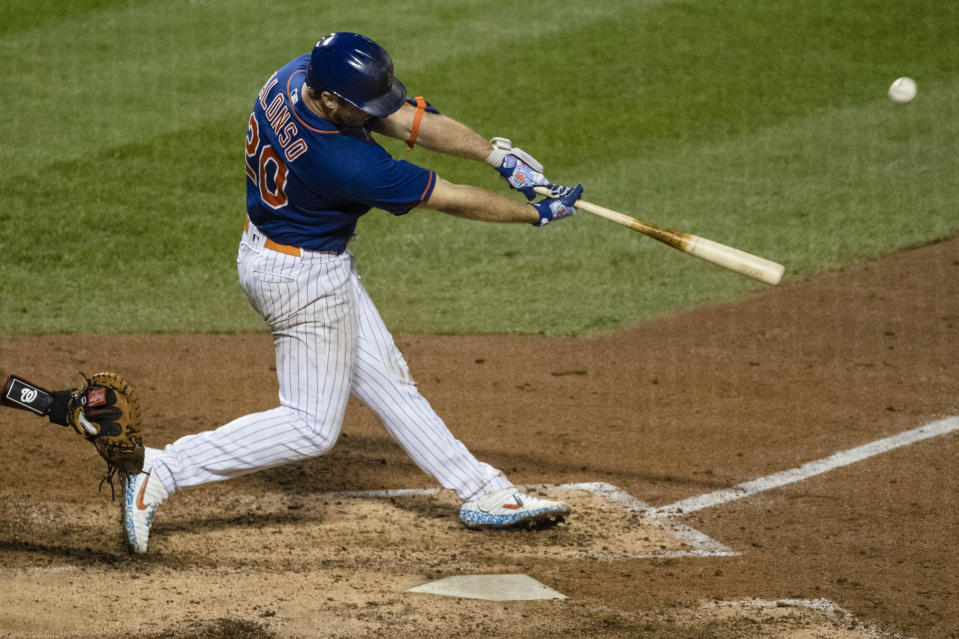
(92, 554)
(250, 520)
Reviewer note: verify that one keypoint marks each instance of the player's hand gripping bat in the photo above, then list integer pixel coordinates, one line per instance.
(726, 256)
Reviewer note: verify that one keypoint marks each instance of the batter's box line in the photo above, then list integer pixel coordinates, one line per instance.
(697, 544)
(825, 606)
(806, 471)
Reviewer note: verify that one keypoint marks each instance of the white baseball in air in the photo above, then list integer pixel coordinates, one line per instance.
(903, 90)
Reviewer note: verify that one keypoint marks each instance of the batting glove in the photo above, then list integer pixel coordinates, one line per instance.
(521, 170)
(560, 203)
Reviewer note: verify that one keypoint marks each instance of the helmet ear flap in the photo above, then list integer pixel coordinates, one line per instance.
(358, 70)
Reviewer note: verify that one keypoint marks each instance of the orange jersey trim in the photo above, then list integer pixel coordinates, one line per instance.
(289, 97)
(429, 185)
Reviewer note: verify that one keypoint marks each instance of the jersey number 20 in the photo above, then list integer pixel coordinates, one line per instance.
(266, 168)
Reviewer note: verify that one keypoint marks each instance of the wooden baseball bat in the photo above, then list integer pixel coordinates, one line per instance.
(726, 256)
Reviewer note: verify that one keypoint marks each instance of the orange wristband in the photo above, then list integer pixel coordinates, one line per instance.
(417, 118)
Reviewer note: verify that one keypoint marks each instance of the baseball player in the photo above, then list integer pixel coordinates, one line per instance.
(312, 170)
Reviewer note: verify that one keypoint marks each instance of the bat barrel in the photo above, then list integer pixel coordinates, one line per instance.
(735, 260)
(726, 256)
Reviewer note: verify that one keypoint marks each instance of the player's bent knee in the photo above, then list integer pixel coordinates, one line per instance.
(320, 432)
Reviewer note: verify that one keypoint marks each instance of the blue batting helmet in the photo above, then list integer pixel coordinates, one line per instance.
(358, 70)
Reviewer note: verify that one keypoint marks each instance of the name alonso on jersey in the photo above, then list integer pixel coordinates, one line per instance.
(277, 112)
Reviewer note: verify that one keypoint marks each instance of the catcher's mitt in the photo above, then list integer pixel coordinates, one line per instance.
(106, 411)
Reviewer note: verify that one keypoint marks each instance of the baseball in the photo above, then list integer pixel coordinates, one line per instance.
(902, 90)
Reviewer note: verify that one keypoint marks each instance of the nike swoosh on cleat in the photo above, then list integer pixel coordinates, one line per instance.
(516, 506)
(143, 489)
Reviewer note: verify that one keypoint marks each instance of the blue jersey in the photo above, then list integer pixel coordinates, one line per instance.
(307, 182)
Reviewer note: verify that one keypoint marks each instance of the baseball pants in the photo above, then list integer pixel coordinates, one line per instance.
(330, 342)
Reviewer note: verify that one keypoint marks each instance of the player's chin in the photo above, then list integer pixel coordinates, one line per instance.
(353, 122)
(351, 117)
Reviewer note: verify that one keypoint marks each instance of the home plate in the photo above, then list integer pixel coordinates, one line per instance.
(490, 587)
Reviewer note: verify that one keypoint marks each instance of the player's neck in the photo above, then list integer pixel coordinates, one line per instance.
(314, 105)
(337, 112)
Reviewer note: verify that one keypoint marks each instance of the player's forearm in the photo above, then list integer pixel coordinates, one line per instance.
(436, 133)
(475, 203)
(445, 135)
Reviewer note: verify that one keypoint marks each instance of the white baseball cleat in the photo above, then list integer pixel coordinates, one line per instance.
(511, 507)
(142, 495)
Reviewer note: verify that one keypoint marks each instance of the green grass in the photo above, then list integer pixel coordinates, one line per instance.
(760, 124)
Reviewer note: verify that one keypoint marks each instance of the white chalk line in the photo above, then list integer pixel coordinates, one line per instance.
(776, 480)
(664, 517)
(819, 605)
(698, 544)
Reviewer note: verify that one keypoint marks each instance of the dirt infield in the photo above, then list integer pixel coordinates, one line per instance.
(646, 417)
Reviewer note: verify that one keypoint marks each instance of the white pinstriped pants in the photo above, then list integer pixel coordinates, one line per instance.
(330, 342)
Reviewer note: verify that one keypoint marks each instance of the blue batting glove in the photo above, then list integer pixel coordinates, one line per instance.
(560, 203)
(521, 170)
(521, 176)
